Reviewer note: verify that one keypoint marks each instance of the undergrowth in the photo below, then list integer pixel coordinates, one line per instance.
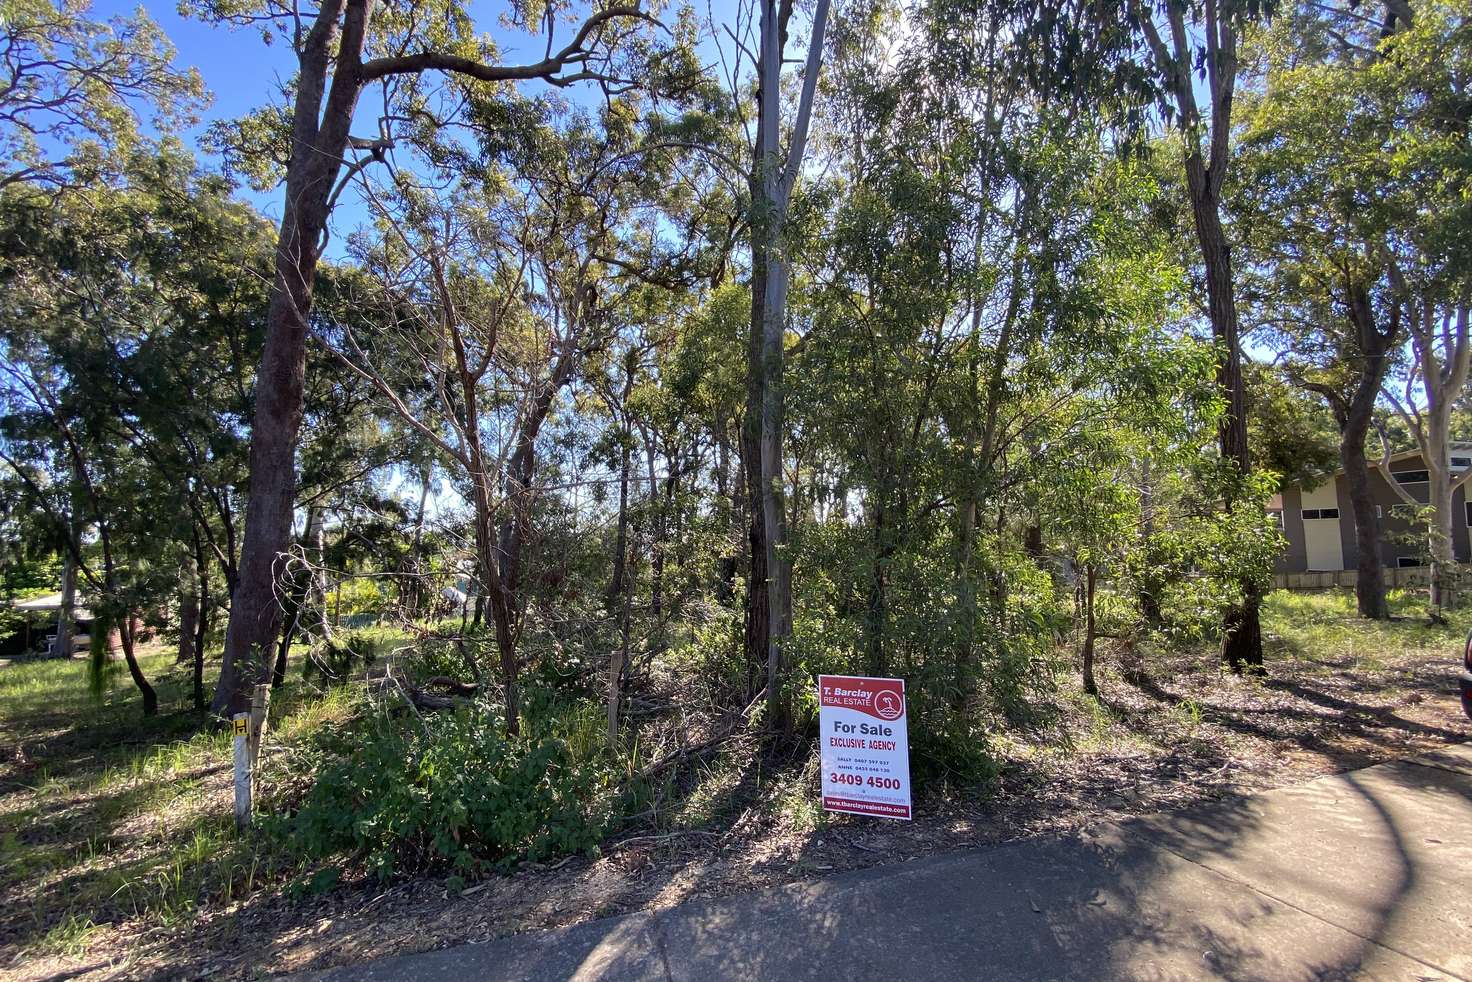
(108, 817)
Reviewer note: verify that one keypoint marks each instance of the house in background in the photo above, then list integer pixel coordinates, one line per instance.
(1318, 522)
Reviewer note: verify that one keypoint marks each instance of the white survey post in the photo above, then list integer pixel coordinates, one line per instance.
(240, 725)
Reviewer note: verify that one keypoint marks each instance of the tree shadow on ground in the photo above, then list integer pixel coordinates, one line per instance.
(1182, 895)
(1314, 720)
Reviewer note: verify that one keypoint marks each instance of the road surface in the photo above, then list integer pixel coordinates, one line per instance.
(1364, 874)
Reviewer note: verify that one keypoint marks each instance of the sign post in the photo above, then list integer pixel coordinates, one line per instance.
(249, 729)
(866, 747)
(240, 727)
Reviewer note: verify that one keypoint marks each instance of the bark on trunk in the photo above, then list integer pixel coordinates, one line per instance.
(150, 697)
(617, 665)
(616, 584)
(321, 117)
(503, 613)
(758, 626)
(617, 597)
(1369, 356)
(188, 612)
(773, 176)
(1369, 583)
(1443, 562)
(320, 122)
(1242, 626)
(202, 622)
(66, 617)
(1369, 586)
(316, 597)
(1206, 157)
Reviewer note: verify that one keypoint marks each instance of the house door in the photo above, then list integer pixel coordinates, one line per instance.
(1324, 548)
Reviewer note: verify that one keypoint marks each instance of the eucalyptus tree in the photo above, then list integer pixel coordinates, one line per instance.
(660, 440)
(1420, 85)
(1311, 161)
(76, 88)
(980, 301)
(495, 294)
(773, 176)
(1172, 55)
(1351, 191)
(343, 48)
(129, 331)
(1323, 205)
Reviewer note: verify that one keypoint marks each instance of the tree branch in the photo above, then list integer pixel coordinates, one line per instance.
(426, 61)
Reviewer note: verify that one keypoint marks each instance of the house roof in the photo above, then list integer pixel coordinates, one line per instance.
(1456, 446)
(47, 602)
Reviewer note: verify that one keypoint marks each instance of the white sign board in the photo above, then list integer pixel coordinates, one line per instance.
(866, 748)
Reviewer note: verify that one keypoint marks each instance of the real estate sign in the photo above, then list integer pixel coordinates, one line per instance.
(866, 747)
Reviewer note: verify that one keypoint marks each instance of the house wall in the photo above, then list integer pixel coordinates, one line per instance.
(1461, 535)
(1294, 558)
(1323, 543)
(1398, 536)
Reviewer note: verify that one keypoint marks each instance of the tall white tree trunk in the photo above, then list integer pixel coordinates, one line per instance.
(1439, 538)
(316, 541)
(772, 191)
(1439, 342)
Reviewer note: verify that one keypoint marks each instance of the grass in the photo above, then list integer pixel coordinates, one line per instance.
(1322, 628)
(1326, 665)
(108, 816)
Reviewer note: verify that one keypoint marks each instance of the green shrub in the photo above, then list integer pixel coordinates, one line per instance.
(334, 659)
(712, 657)
(455, 793)
(433, 657)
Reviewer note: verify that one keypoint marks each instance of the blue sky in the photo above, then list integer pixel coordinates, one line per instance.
(243, 73)
(237, 68)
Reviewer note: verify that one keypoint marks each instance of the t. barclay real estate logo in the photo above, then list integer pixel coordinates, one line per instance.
(887, 703)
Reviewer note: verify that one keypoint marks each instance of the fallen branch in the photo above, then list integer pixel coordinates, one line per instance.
(684, 753)
(432, 702)
(728, 732)
(455, 688)
(417, 699)
(661, 838)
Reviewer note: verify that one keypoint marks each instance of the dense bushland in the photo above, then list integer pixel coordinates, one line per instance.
(560, 433)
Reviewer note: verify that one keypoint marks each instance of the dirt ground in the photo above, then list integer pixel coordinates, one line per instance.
(1186, 733)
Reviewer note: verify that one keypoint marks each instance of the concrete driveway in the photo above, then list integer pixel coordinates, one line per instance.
(1366, 875)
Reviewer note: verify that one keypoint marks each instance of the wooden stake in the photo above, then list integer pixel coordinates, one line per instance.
(249, 729)
(260, 708)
